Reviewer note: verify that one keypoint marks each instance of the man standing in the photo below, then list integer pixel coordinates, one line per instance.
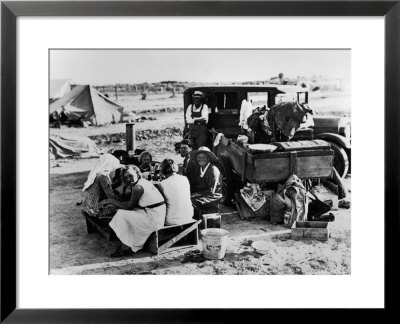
(190, 166)
(197, 119)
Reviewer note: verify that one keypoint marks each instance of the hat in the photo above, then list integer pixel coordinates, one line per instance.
(198, 94)
(206, 150)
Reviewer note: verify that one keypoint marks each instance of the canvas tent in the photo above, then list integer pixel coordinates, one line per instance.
(85, 103)
(59, 87)
(72, 146)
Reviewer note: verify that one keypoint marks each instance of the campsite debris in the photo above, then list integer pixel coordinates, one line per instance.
(344, 204)
(145, 268)
(325, 195)
(296, 269)
(67, 146)
(281, 237)
(260, 247)
(247, 242)
(195, 256)
(325, 218)
(145, 134)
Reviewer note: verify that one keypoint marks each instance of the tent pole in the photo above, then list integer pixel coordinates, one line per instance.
(130, 137)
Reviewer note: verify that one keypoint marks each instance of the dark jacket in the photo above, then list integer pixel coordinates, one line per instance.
(209, 184)
(191, 172)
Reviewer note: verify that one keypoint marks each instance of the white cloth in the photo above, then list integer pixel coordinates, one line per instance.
(204, 113)
(246, 109)
(176, 190)
(106, 164)
(133, 227)
(203, 172)
(218, 139)
(308, 123)
(151, 195)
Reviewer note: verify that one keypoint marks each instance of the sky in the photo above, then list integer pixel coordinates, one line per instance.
(99, 67)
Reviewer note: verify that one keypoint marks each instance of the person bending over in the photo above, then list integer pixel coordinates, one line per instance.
(99, 186)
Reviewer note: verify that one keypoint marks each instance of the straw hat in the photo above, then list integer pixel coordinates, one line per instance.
(206, 150)
(198, 94)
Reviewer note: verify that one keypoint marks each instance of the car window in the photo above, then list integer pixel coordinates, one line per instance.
(258, 99)
(302, 97)
(286, 97)
(226, 100)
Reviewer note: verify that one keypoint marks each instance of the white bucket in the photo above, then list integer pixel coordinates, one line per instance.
(214, 243)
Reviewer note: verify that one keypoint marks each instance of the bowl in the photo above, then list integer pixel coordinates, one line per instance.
(261, 247)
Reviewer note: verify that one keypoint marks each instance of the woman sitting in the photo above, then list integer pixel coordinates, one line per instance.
(206, 193)
(176, 191)
(145, 159)
(137, 218)
(99, 187)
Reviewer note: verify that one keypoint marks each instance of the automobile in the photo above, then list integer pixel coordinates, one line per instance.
(337, 131)
(224, 102)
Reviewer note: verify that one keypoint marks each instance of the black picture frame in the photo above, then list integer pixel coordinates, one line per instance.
(11, 10)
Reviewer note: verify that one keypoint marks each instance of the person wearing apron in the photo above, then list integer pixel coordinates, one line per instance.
(197, 119)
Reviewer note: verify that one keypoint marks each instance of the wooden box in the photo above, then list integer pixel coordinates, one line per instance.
(310, 230)
(211, 220)
(173, 237)
(276, 166)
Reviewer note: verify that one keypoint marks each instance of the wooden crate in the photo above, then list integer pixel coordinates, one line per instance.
(163, 240)
(310, 230)
(276, 166)
(211, 221)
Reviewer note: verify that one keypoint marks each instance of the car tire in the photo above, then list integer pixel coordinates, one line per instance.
(340, 160)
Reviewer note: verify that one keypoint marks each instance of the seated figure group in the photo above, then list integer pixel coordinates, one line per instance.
(137, 207)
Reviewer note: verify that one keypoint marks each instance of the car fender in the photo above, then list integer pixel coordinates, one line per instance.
(335, 138)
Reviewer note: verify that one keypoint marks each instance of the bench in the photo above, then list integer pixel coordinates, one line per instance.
(94, 224)
(159, 241)
(163, 239)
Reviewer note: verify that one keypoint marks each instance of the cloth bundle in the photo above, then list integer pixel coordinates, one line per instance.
(290, 203)
(106, 164)
(253, 196)
(288, 116)
(257, 199)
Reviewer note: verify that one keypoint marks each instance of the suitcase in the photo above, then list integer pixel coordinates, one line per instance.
(302, 145)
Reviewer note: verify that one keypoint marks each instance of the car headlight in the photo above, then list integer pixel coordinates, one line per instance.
(344, 127)
(347, 131)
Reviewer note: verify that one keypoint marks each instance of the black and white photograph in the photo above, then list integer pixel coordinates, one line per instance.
(200, 161)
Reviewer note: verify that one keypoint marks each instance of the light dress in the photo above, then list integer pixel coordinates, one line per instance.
(133, 227)
(176, 191)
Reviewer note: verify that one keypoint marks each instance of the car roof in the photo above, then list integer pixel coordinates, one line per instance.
(255, 88)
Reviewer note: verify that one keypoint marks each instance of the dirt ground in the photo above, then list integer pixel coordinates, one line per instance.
(74, 251)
